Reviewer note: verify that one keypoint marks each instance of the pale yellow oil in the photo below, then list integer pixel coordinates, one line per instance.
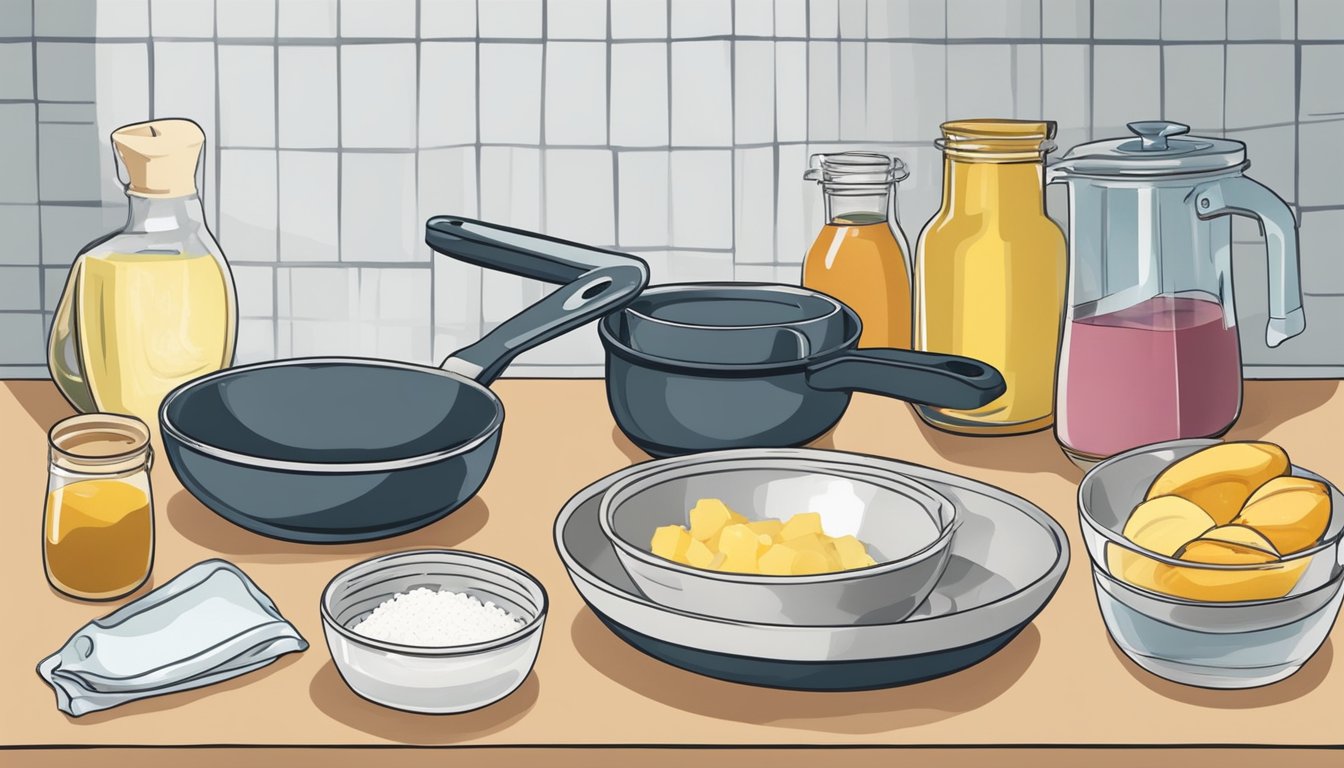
(146, 323)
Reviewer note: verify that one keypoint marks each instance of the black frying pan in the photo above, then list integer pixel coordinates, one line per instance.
(326, 450)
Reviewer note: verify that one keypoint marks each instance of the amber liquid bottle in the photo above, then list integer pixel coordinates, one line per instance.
(860, 256)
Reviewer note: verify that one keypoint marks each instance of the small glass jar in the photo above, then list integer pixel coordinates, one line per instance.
(98, 527)
(861, 256)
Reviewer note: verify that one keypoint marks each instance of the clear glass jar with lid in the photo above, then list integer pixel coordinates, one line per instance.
(98, 526)
(860, 256)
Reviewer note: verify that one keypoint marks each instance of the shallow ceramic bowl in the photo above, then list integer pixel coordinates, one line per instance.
(439, 680)
(906, 526)
(1228, 643)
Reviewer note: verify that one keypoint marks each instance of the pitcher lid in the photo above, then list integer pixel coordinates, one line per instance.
(1153, 151)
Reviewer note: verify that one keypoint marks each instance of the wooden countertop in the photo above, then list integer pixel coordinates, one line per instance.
(1061, 693)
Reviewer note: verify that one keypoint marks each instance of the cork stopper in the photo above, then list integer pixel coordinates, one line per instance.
(160, 156)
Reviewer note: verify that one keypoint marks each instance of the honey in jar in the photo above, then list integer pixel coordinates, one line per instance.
(98, 530)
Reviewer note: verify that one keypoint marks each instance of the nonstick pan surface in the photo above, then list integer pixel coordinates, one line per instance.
(325, 450)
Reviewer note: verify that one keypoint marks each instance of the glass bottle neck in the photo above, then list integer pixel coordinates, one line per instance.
(987, 189)
(164, 214)
(857, 209)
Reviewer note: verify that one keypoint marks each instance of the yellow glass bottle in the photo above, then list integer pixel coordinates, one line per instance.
(152, 306)
(990, 272)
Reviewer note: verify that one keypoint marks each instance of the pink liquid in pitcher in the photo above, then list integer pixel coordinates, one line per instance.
(1164, 369)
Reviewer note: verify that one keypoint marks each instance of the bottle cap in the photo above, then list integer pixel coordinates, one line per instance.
(160, 156)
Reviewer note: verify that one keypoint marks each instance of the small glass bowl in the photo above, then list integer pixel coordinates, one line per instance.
(1220, 626)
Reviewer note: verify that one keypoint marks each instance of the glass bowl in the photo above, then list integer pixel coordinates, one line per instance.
(1218, 626)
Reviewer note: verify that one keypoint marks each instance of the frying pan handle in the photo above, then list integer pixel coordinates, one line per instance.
(943, 381)
(519, 252)
(595, 282)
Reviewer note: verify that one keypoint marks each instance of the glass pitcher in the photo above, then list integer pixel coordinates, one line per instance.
(861, 257)
(1150, 350)
(153, 305)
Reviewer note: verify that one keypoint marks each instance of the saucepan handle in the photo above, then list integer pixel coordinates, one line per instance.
(594, 283)
(942, 381)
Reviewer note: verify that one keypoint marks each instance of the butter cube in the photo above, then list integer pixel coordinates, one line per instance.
(741, 547)
(771, 528)
(671, 542)
(812, 542)
(709, 516)
(852, 553)
(801, 524)
(698, 555)
(808, 563)
(778, 560)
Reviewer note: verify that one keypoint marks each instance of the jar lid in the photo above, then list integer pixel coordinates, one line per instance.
(99, 442)
(1153, 151)
(860, 169)
(997, 140)
(160, 156)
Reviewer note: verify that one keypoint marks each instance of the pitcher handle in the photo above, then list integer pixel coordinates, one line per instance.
(1245, 196)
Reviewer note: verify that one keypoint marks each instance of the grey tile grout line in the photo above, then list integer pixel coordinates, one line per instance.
(930, 40)
(480, 272)
(1092, 69)
(543, 197)
(671, 213)
(732, 132)
(606, 131)
(776, 171)
(37, 192)
(275, 277)
(1297, 117)
(419, 222)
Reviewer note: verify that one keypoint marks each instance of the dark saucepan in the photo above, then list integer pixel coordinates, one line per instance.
(669, 407)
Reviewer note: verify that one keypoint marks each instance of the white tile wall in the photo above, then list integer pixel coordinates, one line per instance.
(677, 129)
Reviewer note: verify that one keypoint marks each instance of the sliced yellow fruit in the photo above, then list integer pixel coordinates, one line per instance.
(1164, 524)
(1241, 535)
(1221, 552)
(1220, 478)
(1292, 512)
(801, 524)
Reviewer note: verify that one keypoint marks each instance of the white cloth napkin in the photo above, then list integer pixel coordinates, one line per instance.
(208, 624)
